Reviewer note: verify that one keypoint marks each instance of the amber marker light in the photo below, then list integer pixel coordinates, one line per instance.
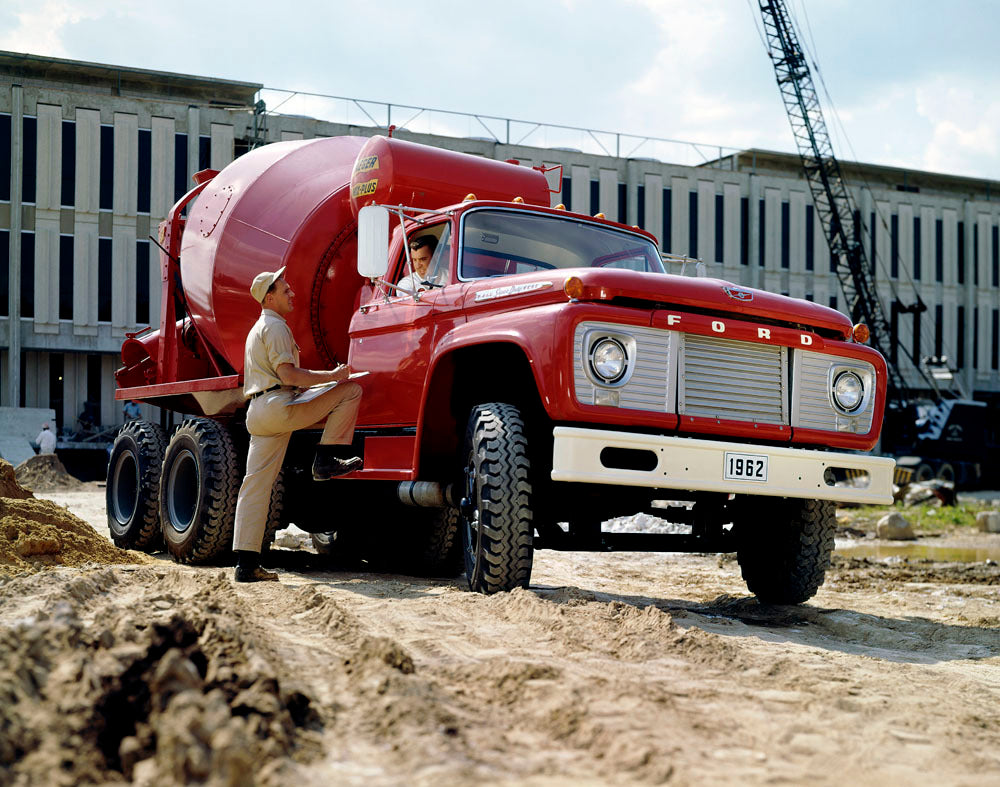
(861, 333)
(518, 200)
(573, 287)
(469, 197)
(599, 216)
(560, 206)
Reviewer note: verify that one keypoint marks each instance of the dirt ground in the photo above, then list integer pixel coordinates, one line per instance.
(610, 669)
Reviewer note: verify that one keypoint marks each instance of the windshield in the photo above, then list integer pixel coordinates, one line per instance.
(503, 242)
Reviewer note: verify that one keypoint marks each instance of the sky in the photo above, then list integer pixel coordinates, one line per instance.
(905, 83)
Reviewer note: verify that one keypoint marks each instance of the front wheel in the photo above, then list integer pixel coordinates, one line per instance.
(784, 547)
(496, 521)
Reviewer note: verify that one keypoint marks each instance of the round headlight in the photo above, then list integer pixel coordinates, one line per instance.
(608, 359)
(848, 391)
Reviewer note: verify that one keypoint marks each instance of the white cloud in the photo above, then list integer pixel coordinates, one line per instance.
(40, 26)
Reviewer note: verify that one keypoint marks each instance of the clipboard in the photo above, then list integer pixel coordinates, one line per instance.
(308, 394)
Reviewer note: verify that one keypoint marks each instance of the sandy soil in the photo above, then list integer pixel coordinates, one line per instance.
(610, 669)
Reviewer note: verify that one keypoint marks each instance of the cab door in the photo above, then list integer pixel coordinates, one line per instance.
(393, 335)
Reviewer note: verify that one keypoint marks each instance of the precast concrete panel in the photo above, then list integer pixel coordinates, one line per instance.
(85, 276)
(607, 199)
(580, 189)
(772, 239)
(122, 275)
(222, 145)
(984, 222)
(679, 219)
(949, 240)
(46, 284)
(87, 196)
(706, 222)
(126, 183)
(193, 145)
(286, 135)
(928, 229)
(731, 230)
(654, 206)
(797, 231)
(162, 172)
(48, 161)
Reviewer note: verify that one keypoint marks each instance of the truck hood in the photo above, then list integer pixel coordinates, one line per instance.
(713, 295)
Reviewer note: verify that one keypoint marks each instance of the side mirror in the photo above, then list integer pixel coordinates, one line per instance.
(373, 241)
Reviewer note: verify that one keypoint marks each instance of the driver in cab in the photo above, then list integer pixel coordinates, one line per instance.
(421, 252)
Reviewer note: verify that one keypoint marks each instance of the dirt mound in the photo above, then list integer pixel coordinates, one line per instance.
(35, 534)
(175, 694)
(44, 472)
(9, 486)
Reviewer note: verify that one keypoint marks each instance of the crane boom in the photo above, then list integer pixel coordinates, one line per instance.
(831, 199)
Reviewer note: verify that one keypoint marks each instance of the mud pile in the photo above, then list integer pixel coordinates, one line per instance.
(44, 472)
(95, 690)
(35, 534)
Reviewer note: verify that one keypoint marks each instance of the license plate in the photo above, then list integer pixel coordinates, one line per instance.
(745, 467)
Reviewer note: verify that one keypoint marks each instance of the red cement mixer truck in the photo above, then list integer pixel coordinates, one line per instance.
(548, 374)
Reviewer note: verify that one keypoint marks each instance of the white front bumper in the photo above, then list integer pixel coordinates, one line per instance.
(697, 465)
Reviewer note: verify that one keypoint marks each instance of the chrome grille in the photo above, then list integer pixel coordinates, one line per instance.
(647, 388)
(812, 408)
(723, 378)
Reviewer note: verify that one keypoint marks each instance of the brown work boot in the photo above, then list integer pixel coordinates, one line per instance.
(255, 574)
(325, 466)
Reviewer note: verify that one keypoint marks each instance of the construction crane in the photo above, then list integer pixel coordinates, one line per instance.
(942, 437)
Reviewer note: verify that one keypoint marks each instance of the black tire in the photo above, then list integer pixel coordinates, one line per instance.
(784, 547)
(133, 489)
(924, 472)
(947, 473)
(496, 524)
(427, 543)
(198, 488)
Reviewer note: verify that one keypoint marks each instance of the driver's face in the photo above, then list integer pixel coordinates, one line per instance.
(421, 259)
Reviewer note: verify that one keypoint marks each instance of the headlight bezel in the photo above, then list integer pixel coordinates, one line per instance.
(596, 338)
(841, 397)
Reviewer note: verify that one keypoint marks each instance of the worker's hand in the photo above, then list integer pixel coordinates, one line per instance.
(340, 373)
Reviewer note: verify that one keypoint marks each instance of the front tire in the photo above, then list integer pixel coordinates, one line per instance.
(133, 488)
(496, 521)
(198, 489)
(784, 547)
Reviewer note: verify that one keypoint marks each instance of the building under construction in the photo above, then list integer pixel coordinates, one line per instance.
(93, 156)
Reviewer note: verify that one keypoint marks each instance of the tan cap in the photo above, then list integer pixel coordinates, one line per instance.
(262, 283)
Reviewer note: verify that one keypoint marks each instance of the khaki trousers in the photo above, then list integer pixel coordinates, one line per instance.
(270, 422)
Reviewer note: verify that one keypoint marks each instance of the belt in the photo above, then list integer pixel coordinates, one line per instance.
(266, 390)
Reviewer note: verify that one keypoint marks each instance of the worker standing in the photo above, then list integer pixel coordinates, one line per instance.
(271, 379)
(46, 440)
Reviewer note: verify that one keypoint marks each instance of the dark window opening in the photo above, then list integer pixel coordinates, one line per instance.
(996, 256)
(720, 235)
(27, 274)
(916, 247)
(961, 252)
(567, 193)
(938, 330)
(95, 387)
(67, 196)
(833, 301)
(204, 152)
(786, 251)
(693, 224)
(975, 338)
(65, 277)
(667, 239)
(640, 206)
(894, 247)
(960, 339)
(939, 251)
(622, 203)
(760, 235)
(5, 158)
(916, 336)
(975, 253)
(145, 173)
(744, 231)
(595, 197)
(810, 239)
(894, 335)
(4, 273)
(29, 156)
(107, 188)
(180, 165)
(142, 282)
(104, 279)
(995, 349)
(872, 246)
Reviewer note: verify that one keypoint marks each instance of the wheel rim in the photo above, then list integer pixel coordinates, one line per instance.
(470, 517)
(182, 490)
(125, 488)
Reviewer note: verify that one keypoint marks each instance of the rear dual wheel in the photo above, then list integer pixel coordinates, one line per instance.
(133, 486)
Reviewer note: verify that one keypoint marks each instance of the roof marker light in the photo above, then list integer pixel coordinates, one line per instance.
(560, 206)
(518, 200)
(860, 333)
(599, 216)
(469, 197)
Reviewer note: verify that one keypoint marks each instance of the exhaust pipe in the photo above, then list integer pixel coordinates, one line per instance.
(426, 494)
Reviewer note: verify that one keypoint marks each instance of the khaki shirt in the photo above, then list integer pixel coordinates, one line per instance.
(269, 344)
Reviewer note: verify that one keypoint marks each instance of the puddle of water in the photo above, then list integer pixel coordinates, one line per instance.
(920, 552)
